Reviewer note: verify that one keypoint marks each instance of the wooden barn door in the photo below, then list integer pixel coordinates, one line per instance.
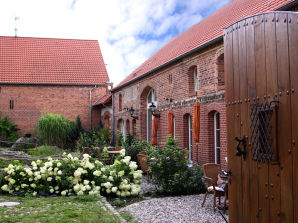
(261, 67)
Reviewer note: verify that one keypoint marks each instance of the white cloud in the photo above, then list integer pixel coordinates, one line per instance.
(128, 31)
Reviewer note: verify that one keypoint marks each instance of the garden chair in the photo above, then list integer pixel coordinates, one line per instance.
(211, 172)
(118, 148)
(142, 157)
(106, 160)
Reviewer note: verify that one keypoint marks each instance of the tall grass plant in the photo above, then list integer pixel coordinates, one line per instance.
(56, 130)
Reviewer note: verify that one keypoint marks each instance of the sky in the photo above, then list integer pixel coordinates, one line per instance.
(128, 31)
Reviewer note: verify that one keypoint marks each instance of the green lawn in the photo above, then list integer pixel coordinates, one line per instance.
(58, 209)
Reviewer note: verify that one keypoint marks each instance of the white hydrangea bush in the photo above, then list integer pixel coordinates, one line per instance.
(71, 176)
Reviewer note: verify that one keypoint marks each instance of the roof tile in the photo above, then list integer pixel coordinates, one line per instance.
(203, 32)
(28, 60)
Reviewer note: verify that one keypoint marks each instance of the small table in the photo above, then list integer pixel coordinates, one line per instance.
(113, 154)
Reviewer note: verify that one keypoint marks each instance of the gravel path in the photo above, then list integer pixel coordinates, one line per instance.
(186, 209)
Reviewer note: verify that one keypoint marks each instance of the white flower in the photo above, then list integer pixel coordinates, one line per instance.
(108, 191)
(34, 193)
(103, 169)
(63, 193)
(50, 159)
(33, 185)
(59, 164)
(126, 159)
(88, 187)
(114, 189)
(91, 193)
(52, 190)
(49, 179)
(86, 182)
(111, 178)
(133, 165)
(80, 193)
(69, 156)
(123, 194)
(121, 173)
(59, 172)
(57, 188)
(108, 185)
(4, 187)
(12, 181)
(77, 173)
(122, 152)
(86, 156)
(77, 187)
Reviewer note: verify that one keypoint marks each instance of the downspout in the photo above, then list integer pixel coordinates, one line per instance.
(113, 118)
(90, 101)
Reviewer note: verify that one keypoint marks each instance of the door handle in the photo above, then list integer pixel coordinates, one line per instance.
(239, 150)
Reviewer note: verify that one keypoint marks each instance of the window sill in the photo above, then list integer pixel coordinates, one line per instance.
(191, 94)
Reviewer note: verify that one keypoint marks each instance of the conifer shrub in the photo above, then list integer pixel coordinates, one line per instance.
(170, 170)
(8, 130)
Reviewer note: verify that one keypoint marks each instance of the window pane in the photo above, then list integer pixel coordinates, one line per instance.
(217, 138)
(217, 121)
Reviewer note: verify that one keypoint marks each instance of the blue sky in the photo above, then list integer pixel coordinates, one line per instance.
(128, 31)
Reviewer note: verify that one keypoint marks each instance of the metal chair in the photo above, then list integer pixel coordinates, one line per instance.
(211, 172)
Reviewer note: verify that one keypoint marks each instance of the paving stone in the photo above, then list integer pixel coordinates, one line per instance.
(9, 204)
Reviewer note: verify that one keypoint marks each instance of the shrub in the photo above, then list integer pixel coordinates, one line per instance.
(120, 139)
(8, 129)
(73, 176)
(44, 151)
(56, 130)
(134, 147)
(98, 137)
(170, 171)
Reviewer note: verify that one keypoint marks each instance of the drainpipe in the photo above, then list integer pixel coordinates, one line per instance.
(90, 101)
(113, 132)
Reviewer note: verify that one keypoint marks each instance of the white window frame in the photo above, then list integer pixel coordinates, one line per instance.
(195, 78)
(123, 129)
(216, 148)
(154, 100)
(190, 139)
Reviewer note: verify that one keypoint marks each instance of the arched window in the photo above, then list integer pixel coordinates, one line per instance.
(120, 102)
(134, 127)
(121, 128)
(217, 138)
(151, 98)
(127, 126)
(107, 120)
(193, 79)
(220, 70)
(187, 124)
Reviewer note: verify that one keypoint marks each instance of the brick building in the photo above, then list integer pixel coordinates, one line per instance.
(189, 68)
(42, 75)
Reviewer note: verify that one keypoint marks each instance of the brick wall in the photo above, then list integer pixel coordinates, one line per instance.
(175, 91)
(32, 101)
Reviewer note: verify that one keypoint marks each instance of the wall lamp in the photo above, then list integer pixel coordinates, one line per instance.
(152, 108)
(132, 111)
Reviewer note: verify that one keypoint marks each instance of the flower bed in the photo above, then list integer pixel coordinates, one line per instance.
(71, 176)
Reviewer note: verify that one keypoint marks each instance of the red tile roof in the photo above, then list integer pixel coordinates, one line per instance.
(27, 60)
(103, 100)
(203, 32)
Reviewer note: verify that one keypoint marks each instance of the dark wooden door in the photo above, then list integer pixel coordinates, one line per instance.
(261, 74)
